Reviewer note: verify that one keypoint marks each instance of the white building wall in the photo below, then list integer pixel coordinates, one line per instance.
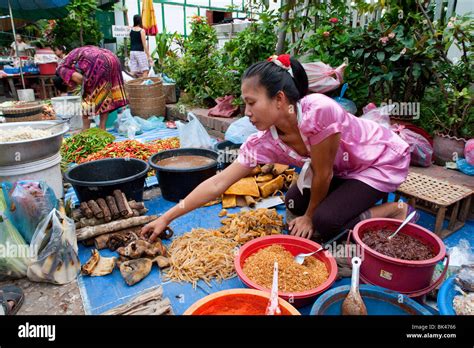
(174, 15)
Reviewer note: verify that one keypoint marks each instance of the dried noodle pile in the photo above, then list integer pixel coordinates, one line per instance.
(201, 254)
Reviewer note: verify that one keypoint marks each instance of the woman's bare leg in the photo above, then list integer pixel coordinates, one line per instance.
(145, 73)
(103, 120)
(86, 122)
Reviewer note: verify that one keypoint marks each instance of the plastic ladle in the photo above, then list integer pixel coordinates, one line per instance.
(407, 220)
(273, 307)
(353, 304)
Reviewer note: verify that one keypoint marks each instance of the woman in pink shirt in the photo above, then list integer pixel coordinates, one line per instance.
(355, 162)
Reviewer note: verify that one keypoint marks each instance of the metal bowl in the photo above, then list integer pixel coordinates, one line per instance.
(25, 151)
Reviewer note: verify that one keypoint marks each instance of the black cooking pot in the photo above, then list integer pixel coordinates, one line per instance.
(98, 179)
(177, 183)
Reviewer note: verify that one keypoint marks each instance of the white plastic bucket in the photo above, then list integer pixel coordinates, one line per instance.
(27, 95)
(47, 170)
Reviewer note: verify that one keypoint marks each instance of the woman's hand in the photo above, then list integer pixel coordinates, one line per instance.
(301, 226)
(154, 229)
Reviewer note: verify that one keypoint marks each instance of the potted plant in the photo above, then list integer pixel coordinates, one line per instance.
(453, 121)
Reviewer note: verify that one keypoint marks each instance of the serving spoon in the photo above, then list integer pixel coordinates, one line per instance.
(407, 220)
(299, 259)
(353, 303)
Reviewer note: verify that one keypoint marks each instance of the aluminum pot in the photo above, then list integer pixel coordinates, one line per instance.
(25, 151)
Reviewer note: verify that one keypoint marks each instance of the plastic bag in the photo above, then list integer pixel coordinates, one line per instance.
(151, 123)
(464, 166)
(54, 250)
(28, 203)
(379, 115)
(13, 248)
(421, 150)
(346, 103)
(193, 133)
(240, 130)
(127, 126)
(322, 77)
(469, 151)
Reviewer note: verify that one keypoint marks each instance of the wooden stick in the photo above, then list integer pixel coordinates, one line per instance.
(86, 211)
(112, 207)
(98, 213)
(114, 226)
(140, 212)
(155, 294)
(105, 209)
(90, 222)
(129, 210)
(77, 214)
(120, 202)
(136, 205)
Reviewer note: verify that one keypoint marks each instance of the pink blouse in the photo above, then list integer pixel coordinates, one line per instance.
(367, 152)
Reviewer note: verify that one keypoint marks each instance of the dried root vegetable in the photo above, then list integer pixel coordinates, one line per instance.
(86, 211)
(248, 225)
(98, 213)
(201, 255)
(110, 200)
(105, 209)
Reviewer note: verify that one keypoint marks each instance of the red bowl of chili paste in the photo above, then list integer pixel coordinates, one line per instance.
(238, 302)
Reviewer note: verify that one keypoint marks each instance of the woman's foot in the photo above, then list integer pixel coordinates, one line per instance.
(394, 210)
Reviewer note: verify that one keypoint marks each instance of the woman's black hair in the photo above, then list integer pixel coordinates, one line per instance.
(59, 84)
(137, 21)
(60, 48)
(274, 79)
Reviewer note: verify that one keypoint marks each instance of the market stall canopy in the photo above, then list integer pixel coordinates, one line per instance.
(36, 9)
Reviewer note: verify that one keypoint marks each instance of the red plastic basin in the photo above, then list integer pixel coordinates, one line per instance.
(411, 278)
(47, 69)
(294, 245)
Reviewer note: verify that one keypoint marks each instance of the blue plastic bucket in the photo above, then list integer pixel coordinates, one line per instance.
(379, 301)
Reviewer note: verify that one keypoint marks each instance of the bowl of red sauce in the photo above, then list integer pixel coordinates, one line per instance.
(238, 302)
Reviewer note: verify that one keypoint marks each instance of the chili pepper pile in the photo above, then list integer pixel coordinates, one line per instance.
(133, 149)
(81, 145)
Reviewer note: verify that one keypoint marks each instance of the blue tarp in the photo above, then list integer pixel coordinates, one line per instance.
(103, 293)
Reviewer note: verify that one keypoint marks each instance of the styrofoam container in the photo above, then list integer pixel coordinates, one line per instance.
(67, 107)
(47, 170)
(27, 95)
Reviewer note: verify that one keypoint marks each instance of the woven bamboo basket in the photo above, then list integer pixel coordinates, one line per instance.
(146, 100)
(23, 113)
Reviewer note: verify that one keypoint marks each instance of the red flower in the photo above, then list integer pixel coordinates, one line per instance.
(326, 34)
(334, 20)
(285, 60)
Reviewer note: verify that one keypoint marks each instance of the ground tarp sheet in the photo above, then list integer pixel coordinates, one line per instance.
(103, 293)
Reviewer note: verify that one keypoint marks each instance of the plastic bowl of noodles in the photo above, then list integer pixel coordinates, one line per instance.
(321, 266)
(238, 302)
